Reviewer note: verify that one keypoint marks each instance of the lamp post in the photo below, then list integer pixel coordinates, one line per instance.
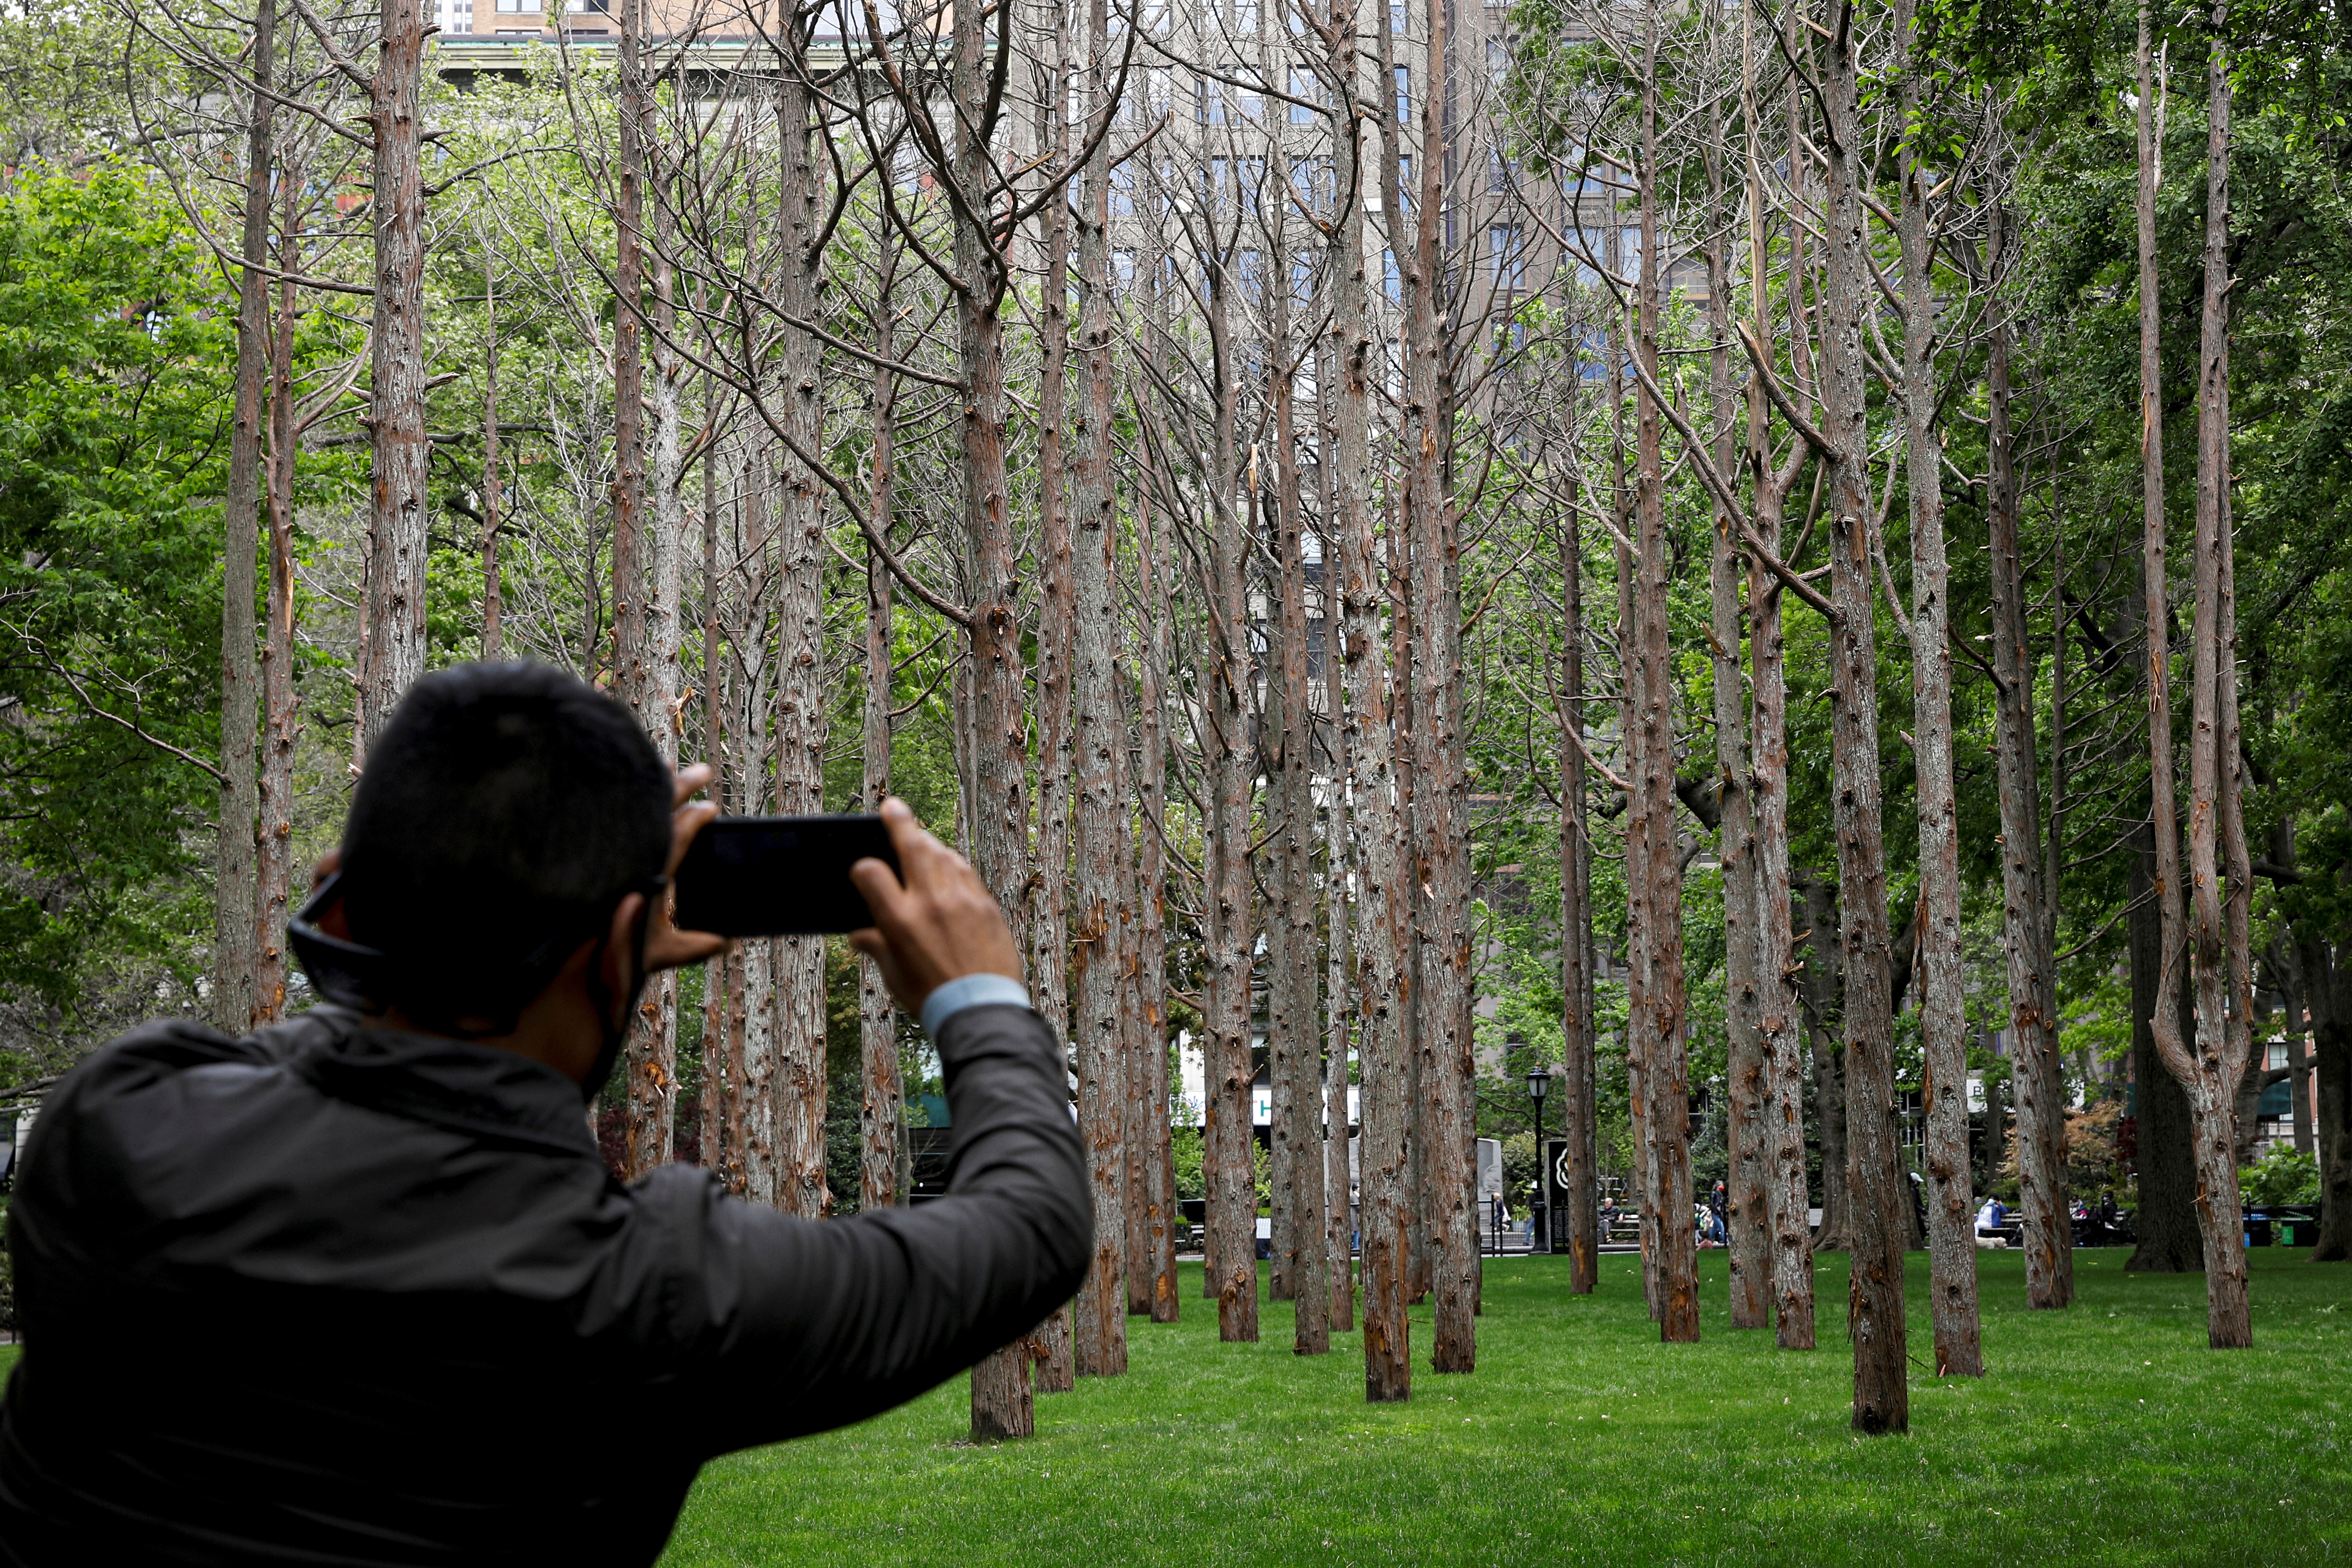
(1539, 1080)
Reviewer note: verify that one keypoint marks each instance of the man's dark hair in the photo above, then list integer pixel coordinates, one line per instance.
(503, 813)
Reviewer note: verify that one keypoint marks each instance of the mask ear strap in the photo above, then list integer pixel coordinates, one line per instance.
(618, 1035)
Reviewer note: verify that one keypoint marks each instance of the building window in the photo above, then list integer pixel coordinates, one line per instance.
(1503, 242)
(1303, 86)
(1404, 93)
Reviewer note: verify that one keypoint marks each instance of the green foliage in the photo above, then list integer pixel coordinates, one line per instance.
(115, 359)
(2280, 1175)
(1184, 1143)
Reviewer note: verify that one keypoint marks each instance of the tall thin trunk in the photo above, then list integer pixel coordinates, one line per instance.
(493, 493)
(274, 858)
(723, 974)
(1653, 860)
(1098, 1035)
(1942, 1020)
(1049, 881)
(1227, 1142)
(1378, 925)
(652, 1122)
(997, 802)
(1874, 1307)
(628, 495)
(1579, 1223)
(1750, 1205)
(392, 650)
(803, 695)
(1151, 936)
(2040, 1079)
(881, 1136)
(1293, 1031)
(2166, 1169)
(1440, 788)
(235, 899)
(1779, 1017)
(752, 1069)
(1340, 989)
(2216, 847)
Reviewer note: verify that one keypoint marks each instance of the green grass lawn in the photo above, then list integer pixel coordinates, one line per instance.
(2106, 1433)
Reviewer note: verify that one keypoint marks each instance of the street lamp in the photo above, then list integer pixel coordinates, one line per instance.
(1539, 1081)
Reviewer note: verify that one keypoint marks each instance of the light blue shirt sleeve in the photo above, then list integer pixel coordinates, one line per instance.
(971, 991)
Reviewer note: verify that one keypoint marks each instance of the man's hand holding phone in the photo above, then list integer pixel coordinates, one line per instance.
(933, 919)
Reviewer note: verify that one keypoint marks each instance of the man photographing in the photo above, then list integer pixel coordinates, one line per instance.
(357, 1289)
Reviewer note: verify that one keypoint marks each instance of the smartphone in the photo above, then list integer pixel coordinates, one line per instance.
(778, 876)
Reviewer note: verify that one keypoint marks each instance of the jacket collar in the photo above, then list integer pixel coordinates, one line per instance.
(454, 1084)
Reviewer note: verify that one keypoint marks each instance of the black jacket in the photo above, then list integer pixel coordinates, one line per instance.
(340, 1295)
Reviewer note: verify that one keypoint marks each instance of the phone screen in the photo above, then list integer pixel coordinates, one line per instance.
(778, 876)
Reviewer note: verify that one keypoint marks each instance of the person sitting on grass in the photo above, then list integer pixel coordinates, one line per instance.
(357, 1289)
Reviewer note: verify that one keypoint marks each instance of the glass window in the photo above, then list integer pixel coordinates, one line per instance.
(1403, 93)
(1211, 100)
(1503, 242)
(1302, 86)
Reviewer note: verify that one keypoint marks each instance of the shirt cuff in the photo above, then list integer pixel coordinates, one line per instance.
(971, 991)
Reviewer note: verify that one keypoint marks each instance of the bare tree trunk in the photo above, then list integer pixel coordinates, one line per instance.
(722, 978)
(1100, 1328)
(1781, 1021)
(1378, 914)
(2040, 1081)
(1942, 1020)
(1630, 673)
(1293, 1033)
(1874, 1308)
(798, 734)
(1779, 1018)
(392, 654)
(493, 495)
(1227, 1163)
(274, 857)
(753, 1070)
(645, 574)
(1580, 1225)
(2218, 966)
(1151, 941)
(628, 496)
(2165, 1222)
(1440, 788)
(1749, 1204)
(997, 802)
(1654, 880)
(1340, 989)
(234, 894)
(1049, 882)
(881, 1095)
